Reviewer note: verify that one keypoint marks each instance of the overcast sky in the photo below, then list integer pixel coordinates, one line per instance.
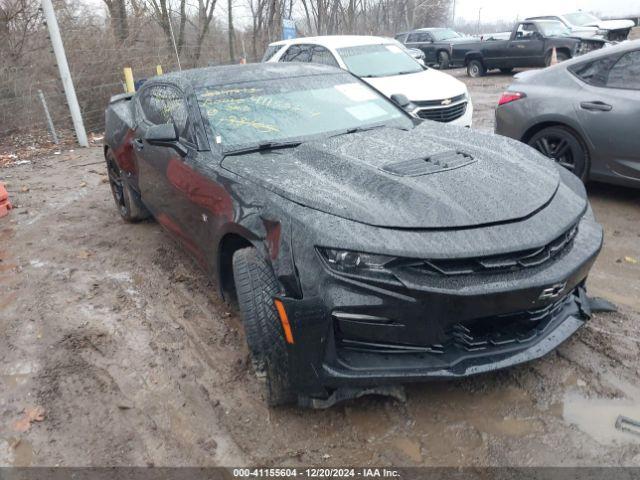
(510, 9)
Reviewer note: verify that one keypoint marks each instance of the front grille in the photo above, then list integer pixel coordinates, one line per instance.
(472, 336)
(443, 114)
(520, 327)
(497, 263)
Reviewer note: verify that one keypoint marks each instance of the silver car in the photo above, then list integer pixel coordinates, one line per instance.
(584, 113)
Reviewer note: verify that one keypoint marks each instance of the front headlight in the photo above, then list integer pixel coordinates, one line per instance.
(355, 263)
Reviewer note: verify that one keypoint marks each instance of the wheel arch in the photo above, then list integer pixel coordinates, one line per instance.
(232, 241)
(474, 55)
(542, 123)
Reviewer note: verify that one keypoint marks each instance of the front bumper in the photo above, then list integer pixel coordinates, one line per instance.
(352, 333)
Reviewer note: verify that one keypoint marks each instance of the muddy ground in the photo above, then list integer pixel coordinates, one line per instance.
(114, 332)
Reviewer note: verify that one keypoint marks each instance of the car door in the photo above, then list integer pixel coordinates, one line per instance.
(609, 110)
(526, 48)
(164, 176)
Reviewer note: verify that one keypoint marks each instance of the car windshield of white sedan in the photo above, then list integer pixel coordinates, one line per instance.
(581, 19)
(369, 61)
(282, 110)
(554, 29)
(442, 35)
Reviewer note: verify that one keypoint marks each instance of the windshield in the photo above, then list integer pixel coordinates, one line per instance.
(444, 34)
(284, 109)
(580, 18)
(378, 60)
(553, 29)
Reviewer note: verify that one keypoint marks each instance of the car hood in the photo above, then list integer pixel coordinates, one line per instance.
(421, 86)
(377, 177)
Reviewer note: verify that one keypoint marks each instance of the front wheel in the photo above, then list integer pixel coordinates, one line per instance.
(443, 60)
(565, 147)
(475, 69)
(256, 287)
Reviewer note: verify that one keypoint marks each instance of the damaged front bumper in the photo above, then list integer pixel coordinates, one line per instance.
(356, 337)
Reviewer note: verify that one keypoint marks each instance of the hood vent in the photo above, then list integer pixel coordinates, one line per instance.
(439, 162)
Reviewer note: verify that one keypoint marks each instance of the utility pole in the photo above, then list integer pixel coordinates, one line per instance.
(65, 74)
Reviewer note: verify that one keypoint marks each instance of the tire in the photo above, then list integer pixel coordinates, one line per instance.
(560, 55)
(475, 68)
(506, 70)
(564, 146)
(256, 287)
(128, 201)
(443, 60)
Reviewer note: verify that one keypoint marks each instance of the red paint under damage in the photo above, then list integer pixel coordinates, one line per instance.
(199, 189)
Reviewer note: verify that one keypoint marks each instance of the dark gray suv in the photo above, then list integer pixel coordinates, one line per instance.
(583, 113)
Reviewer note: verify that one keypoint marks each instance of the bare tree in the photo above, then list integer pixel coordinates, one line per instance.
(205, 16)
(232, 55)
(18, 21)
(118, 14)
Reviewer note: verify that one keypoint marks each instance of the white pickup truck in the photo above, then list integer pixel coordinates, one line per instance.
(585, 24)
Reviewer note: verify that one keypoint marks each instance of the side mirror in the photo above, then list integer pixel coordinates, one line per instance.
(404, 103)
(165, 135)
(400, 99)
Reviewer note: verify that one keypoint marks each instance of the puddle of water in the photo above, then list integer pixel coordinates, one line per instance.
(597, 417)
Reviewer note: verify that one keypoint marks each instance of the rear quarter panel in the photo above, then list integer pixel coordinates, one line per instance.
(551, 99)
(119, 124)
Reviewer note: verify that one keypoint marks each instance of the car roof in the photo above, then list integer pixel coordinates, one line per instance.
(540, 20)
(234, 74)
(426, 29)
(336, 41)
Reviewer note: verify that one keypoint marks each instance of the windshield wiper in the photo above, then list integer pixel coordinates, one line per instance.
(358, 130)
(263, 147)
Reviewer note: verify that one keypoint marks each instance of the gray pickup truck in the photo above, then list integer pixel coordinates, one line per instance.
(531, 44)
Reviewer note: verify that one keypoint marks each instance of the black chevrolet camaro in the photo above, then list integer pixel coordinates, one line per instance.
(364, 248)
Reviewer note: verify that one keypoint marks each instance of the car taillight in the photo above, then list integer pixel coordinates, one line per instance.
(508, 97)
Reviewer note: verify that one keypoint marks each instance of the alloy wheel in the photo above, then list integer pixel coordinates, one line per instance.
(557, 148)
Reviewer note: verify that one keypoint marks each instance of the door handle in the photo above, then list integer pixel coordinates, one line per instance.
(596, 106)
(137, 144)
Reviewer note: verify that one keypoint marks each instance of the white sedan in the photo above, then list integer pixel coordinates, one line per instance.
(388, 67)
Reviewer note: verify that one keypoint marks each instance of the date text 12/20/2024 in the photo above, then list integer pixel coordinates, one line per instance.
(315, 473)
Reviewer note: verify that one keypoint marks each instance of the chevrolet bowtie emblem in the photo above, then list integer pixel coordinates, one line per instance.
(446, 101)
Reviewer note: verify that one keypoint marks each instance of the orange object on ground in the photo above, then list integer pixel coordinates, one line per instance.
(5, 204)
